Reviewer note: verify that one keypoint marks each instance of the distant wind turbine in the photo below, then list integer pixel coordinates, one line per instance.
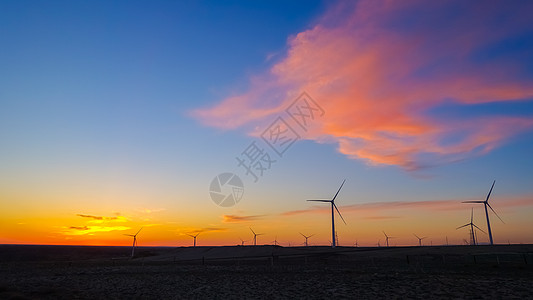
(419, 239)
(333, 206)
(242, 241)
(194, 237)
(134, 241)
(255, 236)
(472, 225)
(387, 238)
(275, 241)
(486, 203)
(306, 237)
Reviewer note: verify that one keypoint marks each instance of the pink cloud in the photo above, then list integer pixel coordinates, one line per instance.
(378, 68)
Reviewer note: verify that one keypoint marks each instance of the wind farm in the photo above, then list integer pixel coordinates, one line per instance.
(302, 149)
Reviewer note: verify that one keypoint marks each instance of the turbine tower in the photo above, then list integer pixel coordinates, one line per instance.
(472, 225)
(194, 237)
(306, 237)
(134, 241)
(486, 203)
(333, 208)
(387, 238)
(255, 236)
(419, 239)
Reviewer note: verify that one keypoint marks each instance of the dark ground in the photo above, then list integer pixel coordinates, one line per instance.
(52, 272)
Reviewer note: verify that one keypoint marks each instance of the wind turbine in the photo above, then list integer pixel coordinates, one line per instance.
(242, 241)
(419, 239)
(275, 241)
(472, 225)
(194, 237)
(134, 241)
(486, 203)
(306, 237)
(332, 201)
(387, 238)
(255, 236)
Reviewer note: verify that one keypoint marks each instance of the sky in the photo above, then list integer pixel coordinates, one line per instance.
(120, 115)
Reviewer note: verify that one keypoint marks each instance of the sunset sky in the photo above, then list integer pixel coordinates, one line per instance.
(117, 115)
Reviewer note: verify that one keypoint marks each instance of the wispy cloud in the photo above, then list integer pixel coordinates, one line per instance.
(375, 210)
(205, 230)
(380, 69)
(239, 219)
(101, 219)
(83, 230)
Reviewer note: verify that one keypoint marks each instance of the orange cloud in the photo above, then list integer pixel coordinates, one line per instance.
(239, 219)
(378, 69)
(76, 230)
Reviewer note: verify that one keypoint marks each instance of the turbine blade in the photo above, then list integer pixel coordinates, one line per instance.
(252, 230)
(488, 195)
(385, 234)
(463, 226)
(479, 228)
(338, 212)
(472, 216)
(301, 234)
(320, 200)
(495, 212)
(416, 236)
(473, 201)
(338, 190)
(139, 230)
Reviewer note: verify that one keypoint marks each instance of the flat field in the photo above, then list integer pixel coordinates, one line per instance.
(266, 272)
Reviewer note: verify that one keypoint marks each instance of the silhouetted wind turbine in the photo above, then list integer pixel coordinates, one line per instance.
(242, 241)
(275, 241)
(333, 206)
(486, 203)
(134, 241)
(387, 238)
(306, 237)
(419, 239)
(194, 237)
(472, 225)
(255, 236)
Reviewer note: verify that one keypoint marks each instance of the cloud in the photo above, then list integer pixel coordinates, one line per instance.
(83, 230)
(374, 210)
(239, 219)
(206, 229)
(380, 70)
(100, 219)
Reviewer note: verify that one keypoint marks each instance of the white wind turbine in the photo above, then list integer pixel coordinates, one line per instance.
(134, 241)
(486, 203)
(255, 236)
(472, 225)
(306, 238)
(194, 237)
(333, 206)
(419, 239)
